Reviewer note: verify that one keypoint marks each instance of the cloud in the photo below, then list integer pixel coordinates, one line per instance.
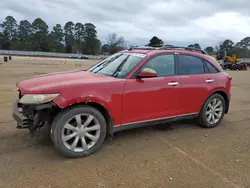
(177, 22)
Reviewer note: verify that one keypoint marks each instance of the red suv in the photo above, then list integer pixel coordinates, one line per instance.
(132, 88)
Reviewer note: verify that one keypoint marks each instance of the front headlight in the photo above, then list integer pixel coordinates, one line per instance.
(37, 98)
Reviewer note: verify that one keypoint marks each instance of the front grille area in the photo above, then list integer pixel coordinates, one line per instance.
(29, 111)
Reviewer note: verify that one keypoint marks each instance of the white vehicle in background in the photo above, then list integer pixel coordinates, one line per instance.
(77, 56)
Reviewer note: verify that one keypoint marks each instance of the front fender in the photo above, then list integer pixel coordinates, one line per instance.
(112, 104)
(62, 102)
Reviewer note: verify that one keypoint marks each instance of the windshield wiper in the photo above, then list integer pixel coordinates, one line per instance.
(105, 64)
(119, 68)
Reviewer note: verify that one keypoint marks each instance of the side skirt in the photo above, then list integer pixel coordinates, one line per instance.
(150, 122)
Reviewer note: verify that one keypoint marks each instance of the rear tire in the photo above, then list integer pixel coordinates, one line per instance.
(212, 111)
(78, 131)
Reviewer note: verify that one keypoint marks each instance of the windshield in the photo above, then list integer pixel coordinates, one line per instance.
(117, 65)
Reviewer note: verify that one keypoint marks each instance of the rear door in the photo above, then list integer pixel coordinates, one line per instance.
(152, 98)
(196, 82)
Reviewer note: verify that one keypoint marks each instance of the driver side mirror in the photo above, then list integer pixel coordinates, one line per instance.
(147, 73)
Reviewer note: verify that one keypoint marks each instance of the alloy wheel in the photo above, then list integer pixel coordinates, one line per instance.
(214, 111)
(81, 132)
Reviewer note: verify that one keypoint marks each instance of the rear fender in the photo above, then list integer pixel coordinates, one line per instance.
(225, 96)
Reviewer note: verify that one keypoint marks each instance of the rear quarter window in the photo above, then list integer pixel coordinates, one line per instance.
(210, 67)
(213, 62)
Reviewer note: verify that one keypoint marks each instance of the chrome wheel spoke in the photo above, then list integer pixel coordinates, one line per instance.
(87, 122)
(70, 127)
(74, 144)
(218, 104)
(210, 106)
(213, 119)
(78, 121)
(219, 109)
(68, 137)
(217, 115)
(208, 112)
(209, 117)
(92, 137)
(93, 128)
(214, 101)
(84, 144)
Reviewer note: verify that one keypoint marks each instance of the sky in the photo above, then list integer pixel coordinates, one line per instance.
(176, 22)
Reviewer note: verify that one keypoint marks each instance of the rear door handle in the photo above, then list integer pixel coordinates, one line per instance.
(209, 80)
(173, 83)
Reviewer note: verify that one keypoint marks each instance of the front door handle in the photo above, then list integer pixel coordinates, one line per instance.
(173, 83)
(209, 80)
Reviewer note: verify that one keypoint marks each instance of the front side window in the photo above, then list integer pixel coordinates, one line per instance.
(163, 65)
(190, 65)
(118, 65)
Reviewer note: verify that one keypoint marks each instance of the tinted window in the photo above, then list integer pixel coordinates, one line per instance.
(162, 64)
(190, 65)
(210, 67)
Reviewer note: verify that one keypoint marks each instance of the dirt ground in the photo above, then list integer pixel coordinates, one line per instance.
(177, 155)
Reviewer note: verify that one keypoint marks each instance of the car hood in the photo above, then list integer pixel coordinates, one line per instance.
(54, 82)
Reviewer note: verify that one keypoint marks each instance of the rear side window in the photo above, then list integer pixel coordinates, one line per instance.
(210, 67)
(190, 65)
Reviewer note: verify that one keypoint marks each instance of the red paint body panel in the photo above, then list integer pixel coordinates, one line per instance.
(150, 98)
(194, 91)
(79, 86)
(223, 82)
(130, 100)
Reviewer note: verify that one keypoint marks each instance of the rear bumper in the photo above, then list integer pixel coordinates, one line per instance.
(22, 120)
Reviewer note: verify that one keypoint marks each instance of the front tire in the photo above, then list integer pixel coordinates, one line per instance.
(212, 111)
(78, 131)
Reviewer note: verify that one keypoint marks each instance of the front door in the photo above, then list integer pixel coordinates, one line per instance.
(152, 98)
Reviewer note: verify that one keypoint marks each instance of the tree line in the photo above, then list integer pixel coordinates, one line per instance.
(241, 49)
(70, 38)
(82, 38)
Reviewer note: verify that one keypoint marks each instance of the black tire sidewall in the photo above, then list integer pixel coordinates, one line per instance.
(203, 119)
(60, 121)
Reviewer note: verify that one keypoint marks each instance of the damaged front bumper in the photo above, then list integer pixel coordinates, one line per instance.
(32, 116)
(22, 120)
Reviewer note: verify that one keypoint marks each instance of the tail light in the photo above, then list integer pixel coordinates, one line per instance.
(229, 77)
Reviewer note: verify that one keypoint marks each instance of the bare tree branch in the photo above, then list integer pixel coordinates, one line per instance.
(114, 41)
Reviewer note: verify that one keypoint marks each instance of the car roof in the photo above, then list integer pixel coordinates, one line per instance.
(164, 48)
(173, 49)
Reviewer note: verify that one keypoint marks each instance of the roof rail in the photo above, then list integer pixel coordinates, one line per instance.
(142, 48)
(180, 47)
(166, 47)
(156, 45)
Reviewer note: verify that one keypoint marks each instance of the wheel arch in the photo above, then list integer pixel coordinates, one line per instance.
(101, 108)
(104, 111)
(223, 94)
